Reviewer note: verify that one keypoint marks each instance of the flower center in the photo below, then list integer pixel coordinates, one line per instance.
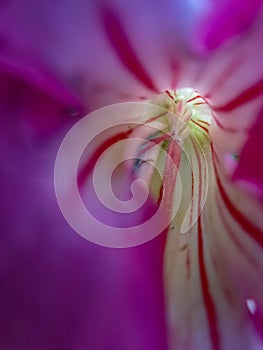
(188, 113)
(176, 146)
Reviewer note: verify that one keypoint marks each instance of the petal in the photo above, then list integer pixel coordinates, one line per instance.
(212, 271)
(99, 49)
(225, 19)
(58, 290)
(25, 87)
(232, 85)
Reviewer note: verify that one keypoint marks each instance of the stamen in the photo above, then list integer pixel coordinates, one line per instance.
(187, 112)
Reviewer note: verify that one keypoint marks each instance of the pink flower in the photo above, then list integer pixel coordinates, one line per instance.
(60, 61)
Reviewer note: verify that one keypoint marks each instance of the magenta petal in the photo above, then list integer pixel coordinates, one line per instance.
(59, 291)
(226, 19)
(249, 169)
(32, 98)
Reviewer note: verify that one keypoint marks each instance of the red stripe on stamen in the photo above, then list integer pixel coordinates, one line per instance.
(170, 95)
(155, 118)
(119, 40)
(194, 98)
(192, 194)
(200, 126)
(160, 195)
(156, 141)
(202, 121)
(208, 300)
(199, 103)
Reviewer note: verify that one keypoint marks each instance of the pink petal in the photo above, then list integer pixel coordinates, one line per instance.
(225, 19)
(25, 87)
(59, 290)
(233, 88)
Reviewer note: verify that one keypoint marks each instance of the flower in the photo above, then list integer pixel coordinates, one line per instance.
(59, 62)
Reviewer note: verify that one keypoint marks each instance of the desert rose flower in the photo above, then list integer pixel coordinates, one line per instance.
(200, 66)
